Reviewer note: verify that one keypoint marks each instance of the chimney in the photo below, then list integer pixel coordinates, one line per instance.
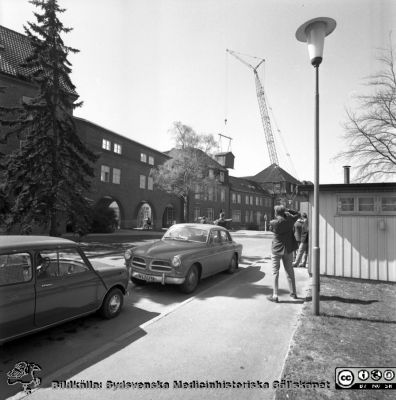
(346, 174)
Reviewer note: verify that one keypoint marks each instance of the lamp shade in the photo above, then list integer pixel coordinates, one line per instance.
(313, 33)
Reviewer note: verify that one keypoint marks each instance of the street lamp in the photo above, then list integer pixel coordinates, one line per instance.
(313, 33)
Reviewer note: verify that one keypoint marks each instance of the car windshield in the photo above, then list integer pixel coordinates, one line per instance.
(186, 233)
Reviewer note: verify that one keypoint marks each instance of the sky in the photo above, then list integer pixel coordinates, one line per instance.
(144, 64)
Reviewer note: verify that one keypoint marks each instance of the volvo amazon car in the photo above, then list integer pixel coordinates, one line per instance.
(45, 281)
(185, 254)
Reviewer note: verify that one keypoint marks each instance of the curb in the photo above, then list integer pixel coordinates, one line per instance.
(306, 291)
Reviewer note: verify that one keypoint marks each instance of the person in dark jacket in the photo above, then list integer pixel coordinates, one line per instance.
(297, 234)
(283, 245)
(302, 253)
(221, 221)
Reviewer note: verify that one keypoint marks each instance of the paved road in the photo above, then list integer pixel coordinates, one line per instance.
(227, 332)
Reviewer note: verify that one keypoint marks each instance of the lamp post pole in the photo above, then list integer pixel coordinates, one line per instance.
(313, 33)
(315, 243)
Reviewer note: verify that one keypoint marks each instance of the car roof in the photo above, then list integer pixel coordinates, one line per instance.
(206, 227)
(22, 241)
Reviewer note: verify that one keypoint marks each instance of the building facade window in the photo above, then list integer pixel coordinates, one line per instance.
(238, 198)
(233, 198)
(222, 195)
(150, 183)
(257, 201)
(142, 182)
(105, 173)
(143, 157)
(151, 160)
(106, 144)
(258, 218)
(197, 190)
(116, 176)
(210, 214)
(210, 194)
(366, 204)
(346, 204)
(388, 204)
(211, 173)
(197, 214)
(236, 215)
(247, 216)
(246, 199)
(251, 200)
(117, 148)
(221, 176)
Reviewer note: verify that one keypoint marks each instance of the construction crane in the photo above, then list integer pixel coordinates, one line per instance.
(269, 136)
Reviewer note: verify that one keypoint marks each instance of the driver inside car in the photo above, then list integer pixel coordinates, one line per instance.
(42, 267)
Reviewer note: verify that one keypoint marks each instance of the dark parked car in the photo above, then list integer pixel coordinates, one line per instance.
(185, 254)
(45, 281)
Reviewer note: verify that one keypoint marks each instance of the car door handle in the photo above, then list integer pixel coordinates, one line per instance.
(46, 284)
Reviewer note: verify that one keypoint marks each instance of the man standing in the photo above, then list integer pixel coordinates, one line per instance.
(302, 252)
(283, 245)
(297, 234)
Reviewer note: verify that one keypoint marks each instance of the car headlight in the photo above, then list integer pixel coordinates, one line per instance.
(128, 255)
(176, 261)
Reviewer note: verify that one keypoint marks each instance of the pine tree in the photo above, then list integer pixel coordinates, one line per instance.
(48, 177)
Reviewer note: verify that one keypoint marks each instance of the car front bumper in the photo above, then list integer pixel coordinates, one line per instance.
(162, 278)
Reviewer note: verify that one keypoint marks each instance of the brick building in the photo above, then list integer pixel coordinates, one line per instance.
(122, 178)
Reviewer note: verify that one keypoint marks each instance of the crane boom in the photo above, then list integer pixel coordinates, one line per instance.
(265, 119)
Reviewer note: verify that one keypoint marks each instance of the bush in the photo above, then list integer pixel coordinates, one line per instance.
(104, 220)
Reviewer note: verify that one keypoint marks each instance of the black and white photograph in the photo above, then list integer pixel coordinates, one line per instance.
(197, 199)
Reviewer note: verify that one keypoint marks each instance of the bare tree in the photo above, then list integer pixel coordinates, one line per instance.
(370, 131)
(185, 137)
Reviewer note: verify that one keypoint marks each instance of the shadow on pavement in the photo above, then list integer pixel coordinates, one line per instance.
(358, 318)
(343, 300)
(67, 349)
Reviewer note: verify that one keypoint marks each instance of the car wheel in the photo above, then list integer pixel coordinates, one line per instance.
(233, 265)
(191, 282)
(138, 282)
(112, 303)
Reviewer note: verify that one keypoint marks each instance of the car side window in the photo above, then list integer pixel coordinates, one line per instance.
(47, 264)
(15, 268)
(71, 262)
(215, 237)
(225, 237)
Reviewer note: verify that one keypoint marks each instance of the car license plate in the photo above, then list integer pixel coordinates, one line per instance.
(148, 278)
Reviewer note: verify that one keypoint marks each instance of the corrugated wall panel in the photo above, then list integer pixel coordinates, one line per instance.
(339, 248)
(391, 242)
(353, 245)
(364, 247)
(373, 248)
(330, 264)
(382, 252)
(347, 251)
(355, 254)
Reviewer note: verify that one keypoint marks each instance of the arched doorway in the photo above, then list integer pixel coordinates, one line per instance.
(168, 217)
(114, 206)
(144, 213)
(103, 221)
